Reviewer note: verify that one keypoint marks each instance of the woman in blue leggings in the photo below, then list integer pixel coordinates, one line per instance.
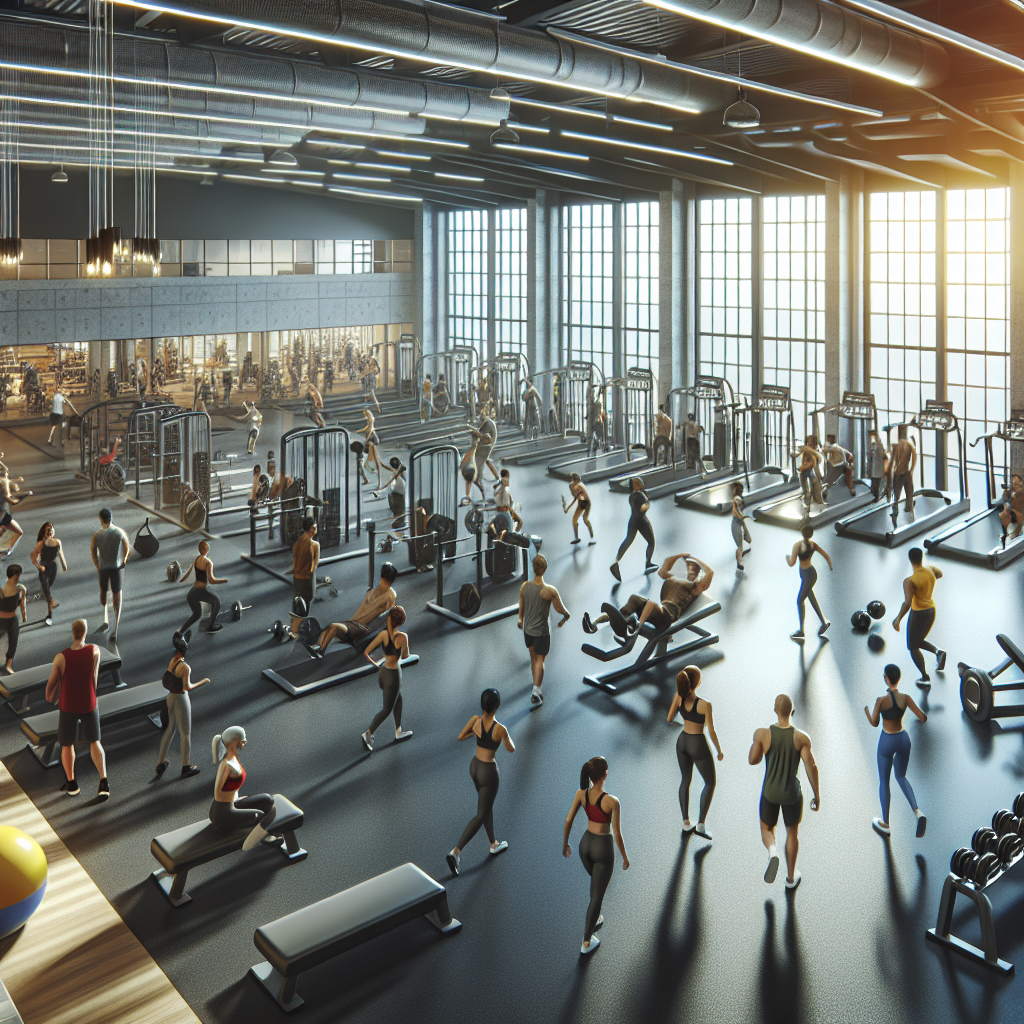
(894, 748)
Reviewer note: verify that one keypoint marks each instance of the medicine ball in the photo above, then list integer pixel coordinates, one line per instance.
(875, 642)
(876, 609)
(173, 572)
(861, 621)
(469, 600)
(395, 462)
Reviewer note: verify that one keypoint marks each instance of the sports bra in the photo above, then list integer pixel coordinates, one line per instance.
(594, 811)
(805, 551)
(173, 683)
(201, 576)
(10, 604)
(48, 553)
(391, 649)
(486, 739)
(693, 715)
(895, 713)
(233, 783)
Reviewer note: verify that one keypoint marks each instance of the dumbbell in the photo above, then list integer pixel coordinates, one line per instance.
(279, 630)
(984, 840)
(323, 581)
(236, 610)
(986, 866)
(1018, 805)
(1005, 821)
(960, 861)
(1008, 847)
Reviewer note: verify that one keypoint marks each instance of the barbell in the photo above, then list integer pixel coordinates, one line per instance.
(236, 610)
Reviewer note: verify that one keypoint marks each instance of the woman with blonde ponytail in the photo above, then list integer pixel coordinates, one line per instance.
(596, 850)
(230, 810)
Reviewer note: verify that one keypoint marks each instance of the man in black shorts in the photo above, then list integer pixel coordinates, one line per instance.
(378, 600)
(535, 600)
(676, 596)
(110, 549)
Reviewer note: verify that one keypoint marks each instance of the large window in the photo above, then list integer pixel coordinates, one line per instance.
(467, 279)
(588, 238)
(794, 300)
(510, 280)
(640, 285)
(724, 344)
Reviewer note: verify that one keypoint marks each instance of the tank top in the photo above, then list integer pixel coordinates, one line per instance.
(693, 715)
(233, 783)
(781, 785)
(390, 647)
(923, 581)
(10, 603)
(48, 554)
(302, 558)
(594, 812)
(486, 738)
(536, 610)
(201, 574)
(77, 685)
(895, 713)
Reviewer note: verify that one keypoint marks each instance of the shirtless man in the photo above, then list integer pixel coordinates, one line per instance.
(662, 435)
(903, 459)
(318, 403)
(810, 479)
(379, 599)
(305, 559)
(255, 420)
(535, 600)
(840, 464)
(676, 596)
(1012, 511)
(691, 439)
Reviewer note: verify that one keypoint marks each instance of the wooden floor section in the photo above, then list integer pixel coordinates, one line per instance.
(75, 959)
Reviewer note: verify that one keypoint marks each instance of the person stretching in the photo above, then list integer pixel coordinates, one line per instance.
(535, 600)
(803, 552)
(692, 746)
(12, 598)
(396, 647)
(178, 683)
(596, 850)
(353, 631)
(581, 499)
(44, 557)
(740, 532)
(200, 593)
(918, 601)
(230, 810)
(72, 686)
(783, 748)
(639, 503)
(894, 748)
(483, 770)
(110, 551)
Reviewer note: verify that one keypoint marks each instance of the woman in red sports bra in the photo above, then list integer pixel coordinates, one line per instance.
(230, 810)
(596, 849)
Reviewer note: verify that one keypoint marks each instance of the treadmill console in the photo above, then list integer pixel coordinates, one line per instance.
(936, 416)
(773, 397)
(857, 405)
(708, 387)
(639, 380)
(1013, 430)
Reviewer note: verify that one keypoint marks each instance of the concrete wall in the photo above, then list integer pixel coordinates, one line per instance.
(45, 312)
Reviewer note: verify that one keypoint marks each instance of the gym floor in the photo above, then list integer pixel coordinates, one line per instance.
(690, 930)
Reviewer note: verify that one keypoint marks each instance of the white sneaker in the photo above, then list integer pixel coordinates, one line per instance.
(255, 836)
(500, 848)
(402, 734)
(367, 740)
(701, 831)
(453, 859)
(536, 698)
(882, 830)
(594, 943)
(795, 882)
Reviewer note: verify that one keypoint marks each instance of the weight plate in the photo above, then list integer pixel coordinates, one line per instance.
(998, 820)
(474, 520)
(986, 868)
(1005, 848)
(195, 515)
(976, 839)
(1018, 805)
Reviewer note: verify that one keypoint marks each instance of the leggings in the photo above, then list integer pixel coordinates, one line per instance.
(179, 716)
(197, 597)
(10, 627)
(391, 684)
(894, 752)
(486, 779)
(598, 856)
(808, 577)
(641, 525)
(691, 750)
(46, 578)
(919, 625)
(246, 812)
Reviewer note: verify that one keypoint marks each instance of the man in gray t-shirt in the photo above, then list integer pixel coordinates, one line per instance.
(536, 598)
(110, 549)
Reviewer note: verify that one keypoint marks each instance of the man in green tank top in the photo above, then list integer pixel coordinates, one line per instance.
(783, 748)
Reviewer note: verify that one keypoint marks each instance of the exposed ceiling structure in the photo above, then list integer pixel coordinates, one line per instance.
(396, 100)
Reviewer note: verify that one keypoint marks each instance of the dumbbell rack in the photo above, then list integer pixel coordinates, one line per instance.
(941, 933)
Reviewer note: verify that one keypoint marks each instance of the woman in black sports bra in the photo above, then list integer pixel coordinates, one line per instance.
(396, 647)
(200, 593)
(45, 555)
(12, 597)
(692, 746)
(894, 748)
(490, 734)
(803, 552)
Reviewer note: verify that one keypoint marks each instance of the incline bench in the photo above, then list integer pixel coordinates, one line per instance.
(19, 688)
(149, 699)
(656, 649)
(188, 847)
(301, 941)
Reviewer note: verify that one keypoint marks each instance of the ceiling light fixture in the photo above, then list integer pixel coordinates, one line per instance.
(289, 170)
(741, 114)
(457, 177)
(541, 152)
(504, 134)
(604, 140)
(369, 164)
(402, 156)
(500, 95)
(59, 176)
(367, 194)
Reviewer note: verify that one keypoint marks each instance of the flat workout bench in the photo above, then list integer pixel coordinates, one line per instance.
(149, 699)
(656, 649)
(186, 848)
(315, 934)
(28, 682)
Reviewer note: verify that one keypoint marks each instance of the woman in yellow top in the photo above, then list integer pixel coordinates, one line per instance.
(917, 600)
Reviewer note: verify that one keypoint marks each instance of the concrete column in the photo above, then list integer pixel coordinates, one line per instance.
(543, 285)
(677, 336)
(1016, 301)
(430, 273)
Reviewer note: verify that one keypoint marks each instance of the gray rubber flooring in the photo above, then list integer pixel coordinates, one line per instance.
(691, 933)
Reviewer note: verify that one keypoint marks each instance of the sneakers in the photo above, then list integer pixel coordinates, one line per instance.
(824, 627)
(71, 788)
(797, 635)
(214, 629)
(575, 540)
(162, 767)
(188, 770)
(882, 830)
(402, 734)
(687, 827)
(792, 883)
(651, 567)
(367, 740)
(103, 793)
(453, 859)
(922, 824)
(940, 660)
(772, 871)
(48, 621)
(586, 949)
(258, 834)
(702, 831)
(924, 683)
(588, 626)
(536, 698)
(500, 848)
(614, 567)
(599, 922)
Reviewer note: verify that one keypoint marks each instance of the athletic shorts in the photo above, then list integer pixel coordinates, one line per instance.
(791, 813)
(112, 580)
(355, 632)
(253, 434)
(56, 418)
(584, 507)
(6, 519)
(304, 589)
(539, 644)
(67, 727)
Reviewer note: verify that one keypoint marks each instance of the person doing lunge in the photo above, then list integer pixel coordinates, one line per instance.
(200, 593)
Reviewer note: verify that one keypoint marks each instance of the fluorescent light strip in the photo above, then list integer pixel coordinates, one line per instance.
(376, 48)
(383, 167)
(457, 177)
(366, 194)
(419, 139)
(620, 119)
(360, 177)
(126, 131)
(490, 122)
(402, 156)
(289, 170)
(649, 149)
(513, 148)
(516, 126)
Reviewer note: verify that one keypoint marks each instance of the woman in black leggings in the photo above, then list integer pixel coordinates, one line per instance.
(490, 734)
(596, 849)
(45, 555)
(396, 648)
(803, 552)
(12, 597)
(692, 746)
(639, 503)
(200, 593)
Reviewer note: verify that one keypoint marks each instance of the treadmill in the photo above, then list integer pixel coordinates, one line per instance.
(887, 523)
(771, 438)
(979, 538)
(566, 419)
(795, 510)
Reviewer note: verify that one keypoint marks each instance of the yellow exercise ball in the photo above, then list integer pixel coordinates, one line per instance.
(22, 878)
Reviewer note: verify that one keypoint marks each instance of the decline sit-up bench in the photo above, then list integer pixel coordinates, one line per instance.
(657, 647)
(149, 699)
(315, 934)
(294, 679)
(186, 848)
(19, 689)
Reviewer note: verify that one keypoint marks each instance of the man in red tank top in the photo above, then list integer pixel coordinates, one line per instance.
(72, 685)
